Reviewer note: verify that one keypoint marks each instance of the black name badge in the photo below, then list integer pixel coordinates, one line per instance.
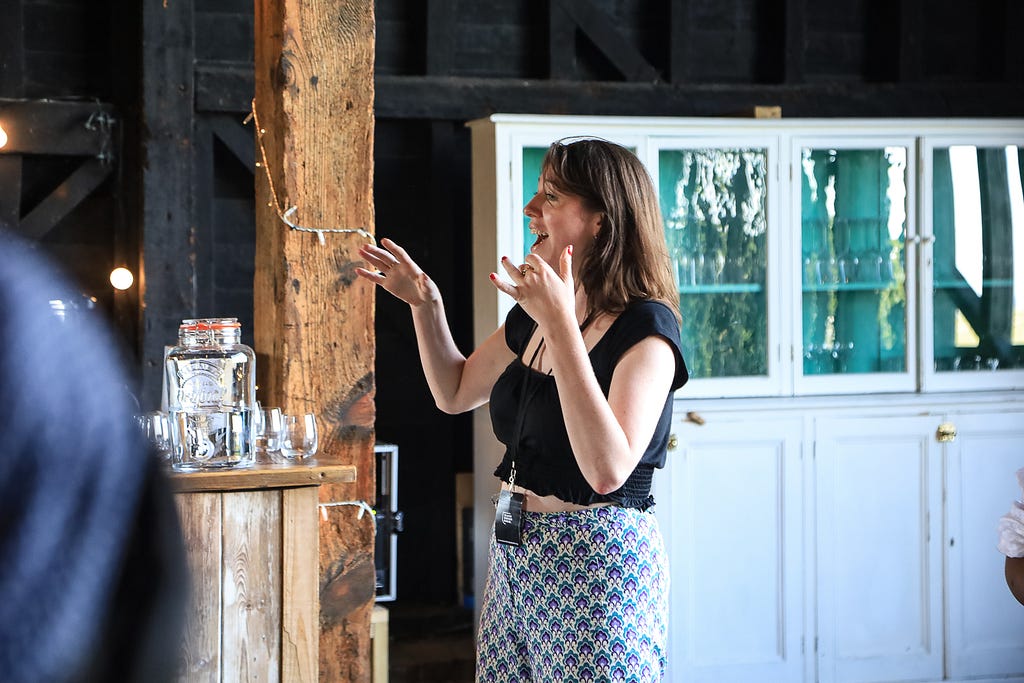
(508, 518)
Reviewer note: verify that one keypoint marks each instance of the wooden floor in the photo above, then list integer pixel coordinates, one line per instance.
(430, 643)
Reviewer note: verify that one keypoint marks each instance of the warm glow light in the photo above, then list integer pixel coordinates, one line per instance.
(121, 278)
(3, 136)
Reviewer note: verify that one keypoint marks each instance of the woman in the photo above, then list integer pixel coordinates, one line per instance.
(579, 379)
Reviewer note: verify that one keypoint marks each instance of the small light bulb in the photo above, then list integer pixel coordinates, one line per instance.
(121, 278)
(3, 137)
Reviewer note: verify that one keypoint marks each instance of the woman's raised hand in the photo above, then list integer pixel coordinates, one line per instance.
(397, 273)
(546, 294)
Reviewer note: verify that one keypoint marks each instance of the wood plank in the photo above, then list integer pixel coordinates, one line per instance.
(313, 317)
(200, 658)
(1014, 58)
(251, 586)
(441, 17)
(12, 37)
(679, 41)
(600, 28)
(464, 99)
(10, 189)
(795, 44)
(236, 137)
(561, 43)
(202, 218)
(912, 32)
(64, 198)
(55, 127)
(167, 279)
(300, 626)
(263, 476)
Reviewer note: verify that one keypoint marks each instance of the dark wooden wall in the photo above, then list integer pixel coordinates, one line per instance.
(181, 199)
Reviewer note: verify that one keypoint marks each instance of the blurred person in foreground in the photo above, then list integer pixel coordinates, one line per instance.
(93, 580)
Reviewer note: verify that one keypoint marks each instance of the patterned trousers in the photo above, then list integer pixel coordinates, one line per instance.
(584, 598)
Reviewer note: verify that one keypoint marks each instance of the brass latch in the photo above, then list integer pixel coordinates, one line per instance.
(946, 432)
(673, 441)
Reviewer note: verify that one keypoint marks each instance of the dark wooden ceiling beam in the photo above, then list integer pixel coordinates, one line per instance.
(679, 41)
(441, 17)
(12, 37)
(64, 198)
(461, 99)
(67, 128)
(601, 29)
(239, 139)
(911, 39)
(795, 43)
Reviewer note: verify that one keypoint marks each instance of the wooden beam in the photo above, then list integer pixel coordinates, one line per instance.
(600, 28)
(314, 319)
(561, 43)
(1014, 57)
(468, 98)
(12, 37)
(201, 219)
(795, 43)
(679, 41)
(441, 17)
(167, 279)
(463, 99)
(910, 44)
(236, 137)
(62, 128)
(10, 190)
(64, 198)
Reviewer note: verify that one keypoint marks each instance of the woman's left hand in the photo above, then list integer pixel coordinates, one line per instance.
(547, 296)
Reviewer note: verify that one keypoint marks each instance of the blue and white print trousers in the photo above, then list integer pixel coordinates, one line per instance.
(584, 598)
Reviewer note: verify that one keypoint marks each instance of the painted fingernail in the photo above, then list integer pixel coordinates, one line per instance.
(493, 276)
(570, 250)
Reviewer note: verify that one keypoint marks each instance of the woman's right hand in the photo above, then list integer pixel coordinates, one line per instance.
(397, 273)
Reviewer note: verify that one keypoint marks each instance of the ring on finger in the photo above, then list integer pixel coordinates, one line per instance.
(524, 269)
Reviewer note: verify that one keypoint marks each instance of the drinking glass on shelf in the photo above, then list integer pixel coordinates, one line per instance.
(157, 428)
(268, 426)
(299, 436)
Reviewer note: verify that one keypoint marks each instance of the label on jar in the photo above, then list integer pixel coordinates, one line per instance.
(200, 383)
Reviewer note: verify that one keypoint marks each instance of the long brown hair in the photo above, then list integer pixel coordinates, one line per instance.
(629, 259)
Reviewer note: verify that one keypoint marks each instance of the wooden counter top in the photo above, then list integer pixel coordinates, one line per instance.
(262, 476)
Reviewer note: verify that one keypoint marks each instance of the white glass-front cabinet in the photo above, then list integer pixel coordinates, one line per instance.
(852, 293)
(730, 508)
(877, 548)
(985, 627)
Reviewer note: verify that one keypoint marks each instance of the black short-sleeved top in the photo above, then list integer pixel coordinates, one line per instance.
(543, 457)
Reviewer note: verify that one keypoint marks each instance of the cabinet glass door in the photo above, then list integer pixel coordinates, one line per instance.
(977, 255)
(714, 202)
(853, 269)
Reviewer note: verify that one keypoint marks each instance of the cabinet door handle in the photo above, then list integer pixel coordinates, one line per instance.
(946, 432)
(673, 441)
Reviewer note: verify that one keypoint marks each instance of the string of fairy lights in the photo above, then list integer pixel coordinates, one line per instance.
(285, 215)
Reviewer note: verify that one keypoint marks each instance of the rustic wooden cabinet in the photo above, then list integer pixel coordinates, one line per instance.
(253, 550)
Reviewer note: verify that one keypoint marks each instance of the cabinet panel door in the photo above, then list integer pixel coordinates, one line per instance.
(729, 506)
(975, 250)
(855, 214)
(986, 624)
(879, 569)
(717, 200)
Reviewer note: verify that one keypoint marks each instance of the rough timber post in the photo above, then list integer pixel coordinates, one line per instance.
(313, 316)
